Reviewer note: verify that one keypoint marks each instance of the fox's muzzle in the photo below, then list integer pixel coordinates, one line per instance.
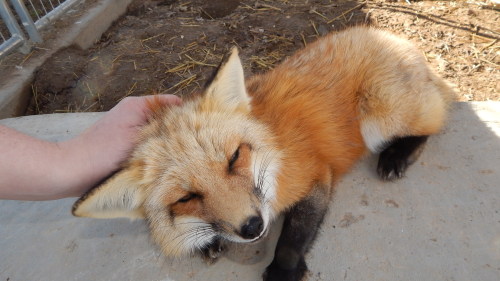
(252, 228)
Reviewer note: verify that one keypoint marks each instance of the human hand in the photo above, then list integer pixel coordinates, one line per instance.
(100, 149)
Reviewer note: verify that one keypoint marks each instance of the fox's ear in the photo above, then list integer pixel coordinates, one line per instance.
(119, 196)
(227, 88)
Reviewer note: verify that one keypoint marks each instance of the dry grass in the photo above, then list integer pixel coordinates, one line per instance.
(156, 53)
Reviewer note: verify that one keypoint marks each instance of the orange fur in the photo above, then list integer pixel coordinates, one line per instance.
(155, 105)
(318, 133)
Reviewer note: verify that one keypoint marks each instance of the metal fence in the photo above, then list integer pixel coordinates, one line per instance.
(21, 21)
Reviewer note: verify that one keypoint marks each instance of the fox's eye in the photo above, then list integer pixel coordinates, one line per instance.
(187, 198)
(234, 158)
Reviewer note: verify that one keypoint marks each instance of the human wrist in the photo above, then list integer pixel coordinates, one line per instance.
(77, 170)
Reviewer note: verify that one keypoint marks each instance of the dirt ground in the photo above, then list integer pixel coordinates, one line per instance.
(172, 46)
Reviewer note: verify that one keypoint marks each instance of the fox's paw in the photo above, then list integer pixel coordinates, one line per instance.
(401, 153)
(275, 273)
(212, 252)
(392, 164)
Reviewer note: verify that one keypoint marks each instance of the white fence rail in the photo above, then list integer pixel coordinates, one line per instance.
(21, 21)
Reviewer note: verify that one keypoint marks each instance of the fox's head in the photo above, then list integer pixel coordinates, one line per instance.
(202, 171)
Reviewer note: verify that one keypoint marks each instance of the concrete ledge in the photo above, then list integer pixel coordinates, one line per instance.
(15, 88)
(53, 127)
(441, 222)
(97, 21)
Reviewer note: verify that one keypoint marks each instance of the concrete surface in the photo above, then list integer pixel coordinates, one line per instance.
(441, 222)
(85, 30)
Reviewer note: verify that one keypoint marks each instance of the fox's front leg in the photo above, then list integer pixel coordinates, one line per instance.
(211, 253)
(299, 231)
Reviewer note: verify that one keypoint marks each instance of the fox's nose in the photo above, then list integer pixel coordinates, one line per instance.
(252, 228)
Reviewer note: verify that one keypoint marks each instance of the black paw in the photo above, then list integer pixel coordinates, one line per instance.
(275, 273)
(395, 159)
(212, 252)
(392, 164)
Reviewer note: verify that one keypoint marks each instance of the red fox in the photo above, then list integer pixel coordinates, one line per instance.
(223, 165)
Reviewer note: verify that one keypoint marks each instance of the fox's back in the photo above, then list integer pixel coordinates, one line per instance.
(346, 92)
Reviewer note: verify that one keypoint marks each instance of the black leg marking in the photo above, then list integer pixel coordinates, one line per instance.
(297, 236)
(402, 152)
(213, 251)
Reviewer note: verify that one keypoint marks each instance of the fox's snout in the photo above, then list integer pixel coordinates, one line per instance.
(252, 228)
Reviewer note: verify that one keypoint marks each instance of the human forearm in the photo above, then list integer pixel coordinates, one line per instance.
(33, 169)
(28, 166)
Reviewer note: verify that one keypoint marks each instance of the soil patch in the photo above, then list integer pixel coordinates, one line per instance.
(173, 46)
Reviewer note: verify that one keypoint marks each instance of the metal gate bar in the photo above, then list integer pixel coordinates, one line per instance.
(26, 20)
(17, 38)
(33, 16)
